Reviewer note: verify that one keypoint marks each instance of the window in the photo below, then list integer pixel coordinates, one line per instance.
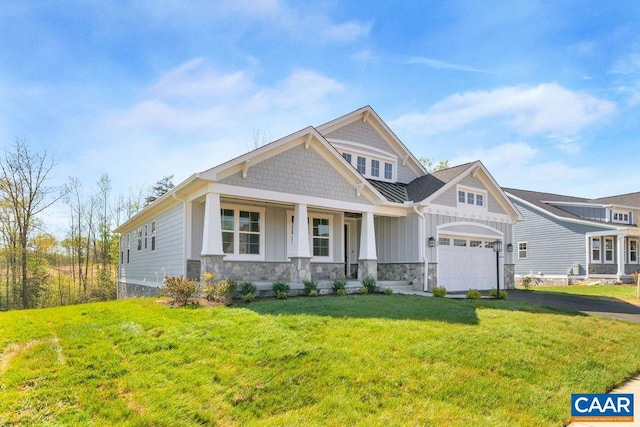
(375, 168)
(633, 251)
(473, 198)
(459, 242)
(321, 237)
(444, 241)
(388, 171)
(146, 234)
(128, 246)
(595, 249)
(242, 232)
(620, 217)
(347, 157)
(608, 249)
(153, 235)
(362, 165)
(139, 239)
(475, 243)
(522, 250)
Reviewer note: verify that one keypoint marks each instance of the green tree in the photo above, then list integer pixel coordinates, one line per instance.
(433, 167)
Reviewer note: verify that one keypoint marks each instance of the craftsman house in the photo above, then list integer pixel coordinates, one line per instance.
(343, 200)
(565, 239)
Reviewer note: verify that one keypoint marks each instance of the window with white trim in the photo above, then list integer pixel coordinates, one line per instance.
(347, 157)
(444, 241)
(596, 248)
(522, 250)
(153, 235)
(128, 246)
(146, 235)
(633, 251)
(621, 217)
(388, 171)
(361, 165)
(608, 250)
(242, 232)
(459, 242)
(320, 235)
(139, 239)
(471, 198)
(375, 168)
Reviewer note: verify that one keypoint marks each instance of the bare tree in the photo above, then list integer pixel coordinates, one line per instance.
(23, 177)
(159, 188)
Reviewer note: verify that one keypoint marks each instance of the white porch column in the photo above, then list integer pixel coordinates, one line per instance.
(212, 233)
(300, 243)
(621, 256)
(368, 238)
(368, 259)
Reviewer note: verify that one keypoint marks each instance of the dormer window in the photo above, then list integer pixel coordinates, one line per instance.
(620, 217)
(370, 162)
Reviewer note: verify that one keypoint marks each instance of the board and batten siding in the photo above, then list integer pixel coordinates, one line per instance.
(148, 267)
(398, 238)
(596, 214)
(553, 246)
(364, 133)
(450, 197)
(465, 226)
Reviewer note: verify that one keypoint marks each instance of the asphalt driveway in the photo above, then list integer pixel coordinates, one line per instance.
(606, 307)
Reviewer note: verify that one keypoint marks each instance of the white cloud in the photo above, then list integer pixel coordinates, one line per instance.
(346, 31)
(629, 64)
(442, 65)
(539, 110)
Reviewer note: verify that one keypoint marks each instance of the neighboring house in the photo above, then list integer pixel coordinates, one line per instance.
(343, 200)
(565, 239)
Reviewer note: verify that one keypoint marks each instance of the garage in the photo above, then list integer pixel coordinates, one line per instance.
(466, 262)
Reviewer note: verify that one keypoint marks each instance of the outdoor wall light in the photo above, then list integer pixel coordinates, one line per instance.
(509, 247)
(432, 242)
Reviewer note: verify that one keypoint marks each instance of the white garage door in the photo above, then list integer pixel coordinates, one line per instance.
(466, 263)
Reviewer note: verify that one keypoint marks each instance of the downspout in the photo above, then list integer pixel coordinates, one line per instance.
(185, 265)
(421, 252)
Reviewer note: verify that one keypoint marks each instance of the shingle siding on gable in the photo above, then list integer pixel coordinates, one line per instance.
(150, 266)
(298, 171)
(553, 247)
(363, 133)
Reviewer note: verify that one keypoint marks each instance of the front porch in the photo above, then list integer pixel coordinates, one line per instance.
(613, 256)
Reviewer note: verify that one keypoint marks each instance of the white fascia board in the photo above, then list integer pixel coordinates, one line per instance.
(560, 218)
(619, 231)
(455, 212)
(365, 149)
(267, 196)
(366, 114)
(167, 200)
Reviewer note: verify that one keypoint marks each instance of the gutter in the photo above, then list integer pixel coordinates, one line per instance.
(425, 261)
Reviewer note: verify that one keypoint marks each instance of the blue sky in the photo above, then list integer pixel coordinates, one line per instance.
(545, 94)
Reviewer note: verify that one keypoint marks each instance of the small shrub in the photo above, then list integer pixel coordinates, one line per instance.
(439, 291)
(280, 289)
(388, 291)
(369, 283)
(313, 293)
(341, 292)
(179, 289)
(337, 284)
(473, 294)
(526, 281)
(494, 294)
(248, 297)
(221, 291)
(248, 288)
(309, 286)
(364, 290)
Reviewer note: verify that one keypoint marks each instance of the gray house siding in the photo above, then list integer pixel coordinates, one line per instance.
(553, 247)
(450, 197)
(595, 214)
(148, 266)
(398, 239)
(298, 171)
(363, 133)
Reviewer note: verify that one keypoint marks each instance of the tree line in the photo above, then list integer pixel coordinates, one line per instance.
(38, 269)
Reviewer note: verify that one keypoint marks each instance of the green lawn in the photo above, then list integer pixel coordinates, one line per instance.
(354, 360)
(623, 292)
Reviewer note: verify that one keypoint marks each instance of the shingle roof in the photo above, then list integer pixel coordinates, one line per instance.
(544, 201)
(424, 186)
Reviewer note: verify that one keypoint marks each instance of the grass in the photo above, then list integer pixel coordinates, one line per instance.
(359, 359)
(626, 293)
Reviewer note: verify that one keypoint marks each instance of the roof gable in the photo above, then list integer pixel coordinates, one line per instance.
(364, 128)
